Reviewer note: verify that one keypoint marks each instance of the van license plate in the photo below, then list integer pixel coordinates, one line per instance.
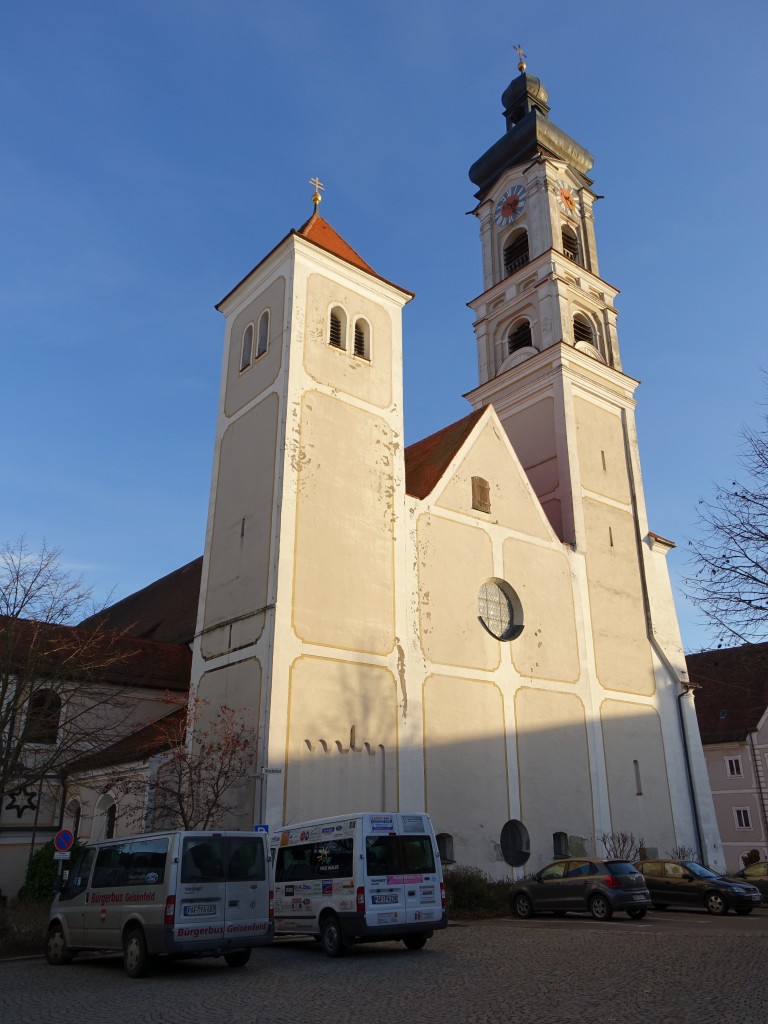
(199, 910)
(388, 898)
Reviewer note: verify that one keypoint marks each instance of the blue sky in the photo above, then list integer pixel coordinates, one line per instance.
(152, 152)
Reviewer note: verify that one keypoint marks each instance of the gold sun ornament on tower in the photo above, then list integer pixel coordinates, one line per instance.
(319, 187)
(521, 66)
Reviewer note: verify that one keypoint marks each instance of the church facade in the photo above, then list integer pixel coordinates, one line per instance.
(480, 625)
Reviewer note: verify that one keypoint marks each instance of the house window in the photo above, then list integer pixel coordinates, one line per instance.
(500, 610)
(262, 338)
(43, 715)
(362, 339)
(337, 328)
(481, 494)
(519, 337)
(733, 767)
(559, 845)
(109, 821)
(246, 352)
(570, 244)
(445, 847)
(516, 252)
(742, 817)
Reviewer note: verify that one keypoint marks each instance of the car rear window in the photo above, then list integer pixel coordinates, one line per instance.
(620, 867)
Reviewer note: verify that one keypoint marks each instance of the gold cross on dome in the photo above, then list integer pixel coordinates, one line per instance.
(318, 187)
(521, 57)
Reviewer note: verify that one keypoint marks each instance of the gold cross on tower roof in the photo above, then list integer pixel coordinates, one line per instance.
(521, 57)
(318, 187)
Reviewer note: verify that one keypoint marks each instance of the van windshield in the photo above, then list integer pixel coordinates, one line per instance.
(398, 855)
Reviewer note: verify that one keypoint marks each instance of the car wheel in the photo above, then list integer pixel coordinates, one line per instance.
(417, 941)
(660, 906)
(239, 958)
(331, 936)
(744, 910)
(57, 952)
(637, 913)
(135, 956)
(715, 903)
(600, 908)
(522, 906)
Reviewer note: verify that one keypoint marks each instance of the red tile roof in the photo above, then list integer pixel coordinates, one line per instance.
(165, 610)
(319, 232)
(428, 459)
(143, 743)
(97, 653)
(733, 680)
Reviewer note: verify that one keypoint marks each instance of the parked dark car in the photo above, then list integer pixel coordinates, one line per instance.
(687, 884)
(599, 886)
(756, 874)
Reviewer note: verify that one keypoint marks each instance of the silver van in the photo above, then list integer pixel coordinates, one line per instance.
(181, 894)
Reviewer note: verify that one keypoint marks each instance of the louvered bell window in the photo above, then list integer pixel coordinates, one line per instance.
(362, 347)
(519, 337)
(570, 245)
(516, 253)
(335, 331)
(582, 330)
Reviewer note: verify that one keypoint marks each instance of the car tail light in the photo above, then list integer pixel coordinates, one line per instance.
(442, 895)
(169, 914)
(271, 905)
(612, 882)
(360, 898)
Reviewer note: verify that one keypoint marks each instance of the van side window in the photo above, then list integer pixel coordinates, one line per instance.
(78, 876)
(202, 860)
(330, 858)
(246, 860)
(146, 862)
(112, 865)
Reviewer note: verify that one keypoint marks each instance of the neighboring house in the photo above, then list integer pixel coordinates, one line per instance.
(732, 708)
(121, 699)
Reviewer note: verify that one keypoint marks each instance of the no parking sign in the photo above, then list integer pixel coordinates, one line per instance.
(62, 842)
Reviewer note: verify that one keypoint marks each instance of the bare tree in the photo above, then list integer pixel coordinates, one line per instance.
(58, 692)
(200, 780)
(621, 845)
(728, 578)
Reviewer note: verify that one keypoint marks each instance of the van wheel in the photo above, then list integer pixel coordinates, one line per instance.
(331, 935)
(417, 941)
(237, 959)
(135, 956)
(57, 952)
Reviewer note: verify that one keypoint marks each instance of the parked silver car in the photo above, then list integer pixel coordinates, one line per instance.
(600, 886)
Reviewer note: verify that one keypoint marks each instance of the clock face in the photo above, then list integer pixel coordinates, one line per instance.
(567, 199)
(510, 205)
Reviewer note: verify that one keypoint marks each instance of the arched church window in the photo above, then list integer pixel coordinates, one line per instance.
(362, 339)
(246, 351)
(516, 252)
(337, 328)
(445, 847)
(570, 243)
(43, 713)
(262, 337)
(519, 337)
(583, 329)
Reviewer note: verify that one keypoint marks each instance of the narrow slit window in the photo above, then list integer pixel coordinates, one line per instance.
(481, 494)
(246, 352)
(638, 780)
(262, 340)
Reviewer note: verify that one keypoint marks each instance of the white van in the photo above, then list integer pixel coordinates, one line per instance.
(178, 893)
(359, 877)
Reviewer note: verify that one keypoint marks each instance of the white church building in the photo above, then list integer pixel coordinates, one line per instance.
(480, 625)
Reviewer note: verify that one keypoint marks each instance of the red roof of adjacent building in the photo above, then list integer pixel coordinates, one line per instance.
(428, 459)
(95, 652)
(165, 610)
(145, 742)
(733, 691)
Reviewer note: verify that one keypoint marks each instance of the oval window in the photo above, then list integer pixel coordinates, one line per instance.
(515, 843)
(499, 610)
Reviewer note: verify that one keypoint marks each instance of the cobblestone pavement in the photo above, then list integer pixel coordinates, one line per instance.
(676, 967)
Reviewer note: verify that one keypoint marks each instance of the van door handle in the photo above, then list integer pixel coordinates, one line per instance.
(234, 903)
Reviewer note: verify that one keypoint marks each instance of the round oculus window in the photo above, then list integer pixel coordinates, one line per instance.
(499, 610)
